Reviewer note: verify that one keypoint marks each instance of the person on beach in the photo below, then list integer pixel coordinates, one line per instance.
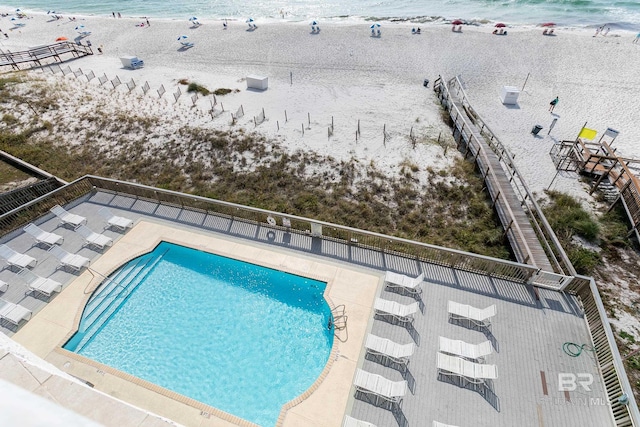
(597, 32)
(553, 104)
(147, 19)
(114, 14)
(119, 16)
(605, 32)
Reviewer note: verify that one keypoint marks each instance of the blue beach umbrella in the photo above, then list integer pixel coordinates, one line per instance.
(372, 26)
(183, 37)
(314, 23)
(249, 20)
(193, 18)
(80, 28)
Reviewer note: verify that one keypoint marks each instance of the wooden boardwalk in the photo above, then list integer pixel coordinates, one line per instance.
(522, 237)
(36, 55)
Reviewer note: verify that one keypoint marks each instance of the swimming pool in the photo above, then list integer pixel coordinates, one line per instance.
(239, 337)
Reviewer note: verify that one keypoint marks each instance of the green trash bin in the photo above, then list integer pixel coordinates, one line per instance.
(536, 129)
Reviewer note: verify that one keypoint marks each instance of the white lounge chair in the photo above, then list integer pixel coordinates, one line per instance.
(352, 422)
(379, 386)
(115, 221)
(398, 353)
(475, 316)
(43, 237)
(410, 284)
(93, 238)
(74, 261)
(44, 286)
(65, 217)
(3, 286)
(466, 350)
(474, 373)
(437, 424)
(13, 313)
(400, 312)
(15, 258)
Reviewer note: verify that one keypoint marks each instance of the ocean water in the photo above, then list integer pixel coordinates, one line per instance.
(572, 13)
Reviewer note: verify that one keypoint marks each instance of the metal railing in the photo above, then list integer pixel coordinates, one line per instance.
(625, 413)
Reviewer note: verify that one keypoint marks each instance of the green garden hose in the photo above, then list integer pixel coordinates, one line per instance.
(575, 350)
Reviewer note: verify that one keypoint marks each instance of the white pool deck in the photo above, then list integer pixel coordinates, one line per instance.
(527, 333)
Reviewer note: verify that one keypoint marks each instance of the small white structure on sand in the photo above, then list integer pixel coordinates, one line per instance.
(509, 95)
(257, 82)
(131, 62)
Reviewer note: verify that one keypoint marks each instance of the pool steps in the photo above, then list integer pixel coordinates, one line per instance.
(108, 298)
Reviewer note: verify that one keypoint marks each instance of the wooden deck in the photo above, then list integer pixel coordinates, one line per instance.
(36, 55)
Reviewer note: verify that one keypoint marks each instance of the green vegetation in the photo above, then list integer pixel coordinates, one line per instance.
(446, 207)
(572, 223)
(222, 91)
(195, 87)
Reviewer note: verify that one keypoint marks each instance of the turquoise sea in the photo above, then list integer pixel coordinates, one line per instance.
(573, 13)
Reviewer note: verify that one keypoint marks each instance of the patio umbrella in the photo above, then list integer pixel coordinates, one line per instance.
(61, 39)
(549, 24)
(181, 38)
(80, 28)
(193, 18)
(500, 25)
(457, 22)
(249, 20)
(314, 23)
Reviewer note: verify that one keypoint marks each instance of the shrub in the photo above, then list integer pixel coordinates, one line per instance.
(195, 87)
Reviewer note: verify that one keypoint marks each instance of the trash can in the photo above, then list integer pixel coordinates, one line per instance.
(425, 83)
(536, 129)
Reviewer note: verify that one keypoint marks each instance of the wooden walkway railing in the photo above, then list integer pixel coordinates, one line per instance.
(520, 233)
(35, 55)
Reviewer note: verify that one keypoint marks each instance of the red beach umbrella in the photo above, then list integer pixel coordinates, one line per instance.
(61, 39)
(500, 25)
(549, 24)
(457, 22)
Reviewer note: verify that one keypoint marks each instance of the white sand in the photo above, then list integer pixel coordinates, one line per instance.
(345, 73)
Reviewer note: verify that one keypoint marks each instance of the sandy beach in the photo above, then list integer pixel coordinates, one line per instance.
(343, 74)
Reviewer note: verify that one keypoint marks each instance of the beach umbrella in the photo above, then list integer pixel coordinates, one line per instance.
(80, 28)
(314, 23)
(500, 25)
(249, 20)
(378, 25)
(61, 39)
(372, 26)
(549, 24)
(193, 18)
(183, 37)
(457, 22)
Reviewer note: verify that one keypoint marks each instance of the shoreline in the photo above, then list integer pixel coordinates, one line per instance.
(423, 20)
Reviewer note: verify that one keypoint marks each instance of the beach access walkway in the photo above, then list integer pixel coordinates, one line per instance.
(36, 54)
(523, 238)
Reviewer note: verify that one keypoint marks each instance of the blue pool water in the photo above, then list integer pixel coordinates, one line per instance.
(239, 337)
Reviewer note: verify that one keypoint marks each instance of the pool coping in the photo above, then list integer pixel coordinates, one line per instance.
(350, 285)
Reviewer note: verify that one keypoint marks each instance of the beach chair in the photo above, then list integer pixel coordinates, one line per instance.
(67, 218)
(93, 238)
(409, 284)
(17, 259)
(471, 372)
(397, 353)
(352, 422)
(73, 261)
(460, 348)
(43, 237)
(380, 387)
(37, 284)
(475, 316)
(187, 44)
(119, 222)
(13, 313)
(399, 312)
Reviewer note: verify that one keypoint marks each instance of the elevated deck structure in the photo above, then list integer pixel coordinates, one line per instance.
(527, 335)
(36, 55)
(599, 159)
